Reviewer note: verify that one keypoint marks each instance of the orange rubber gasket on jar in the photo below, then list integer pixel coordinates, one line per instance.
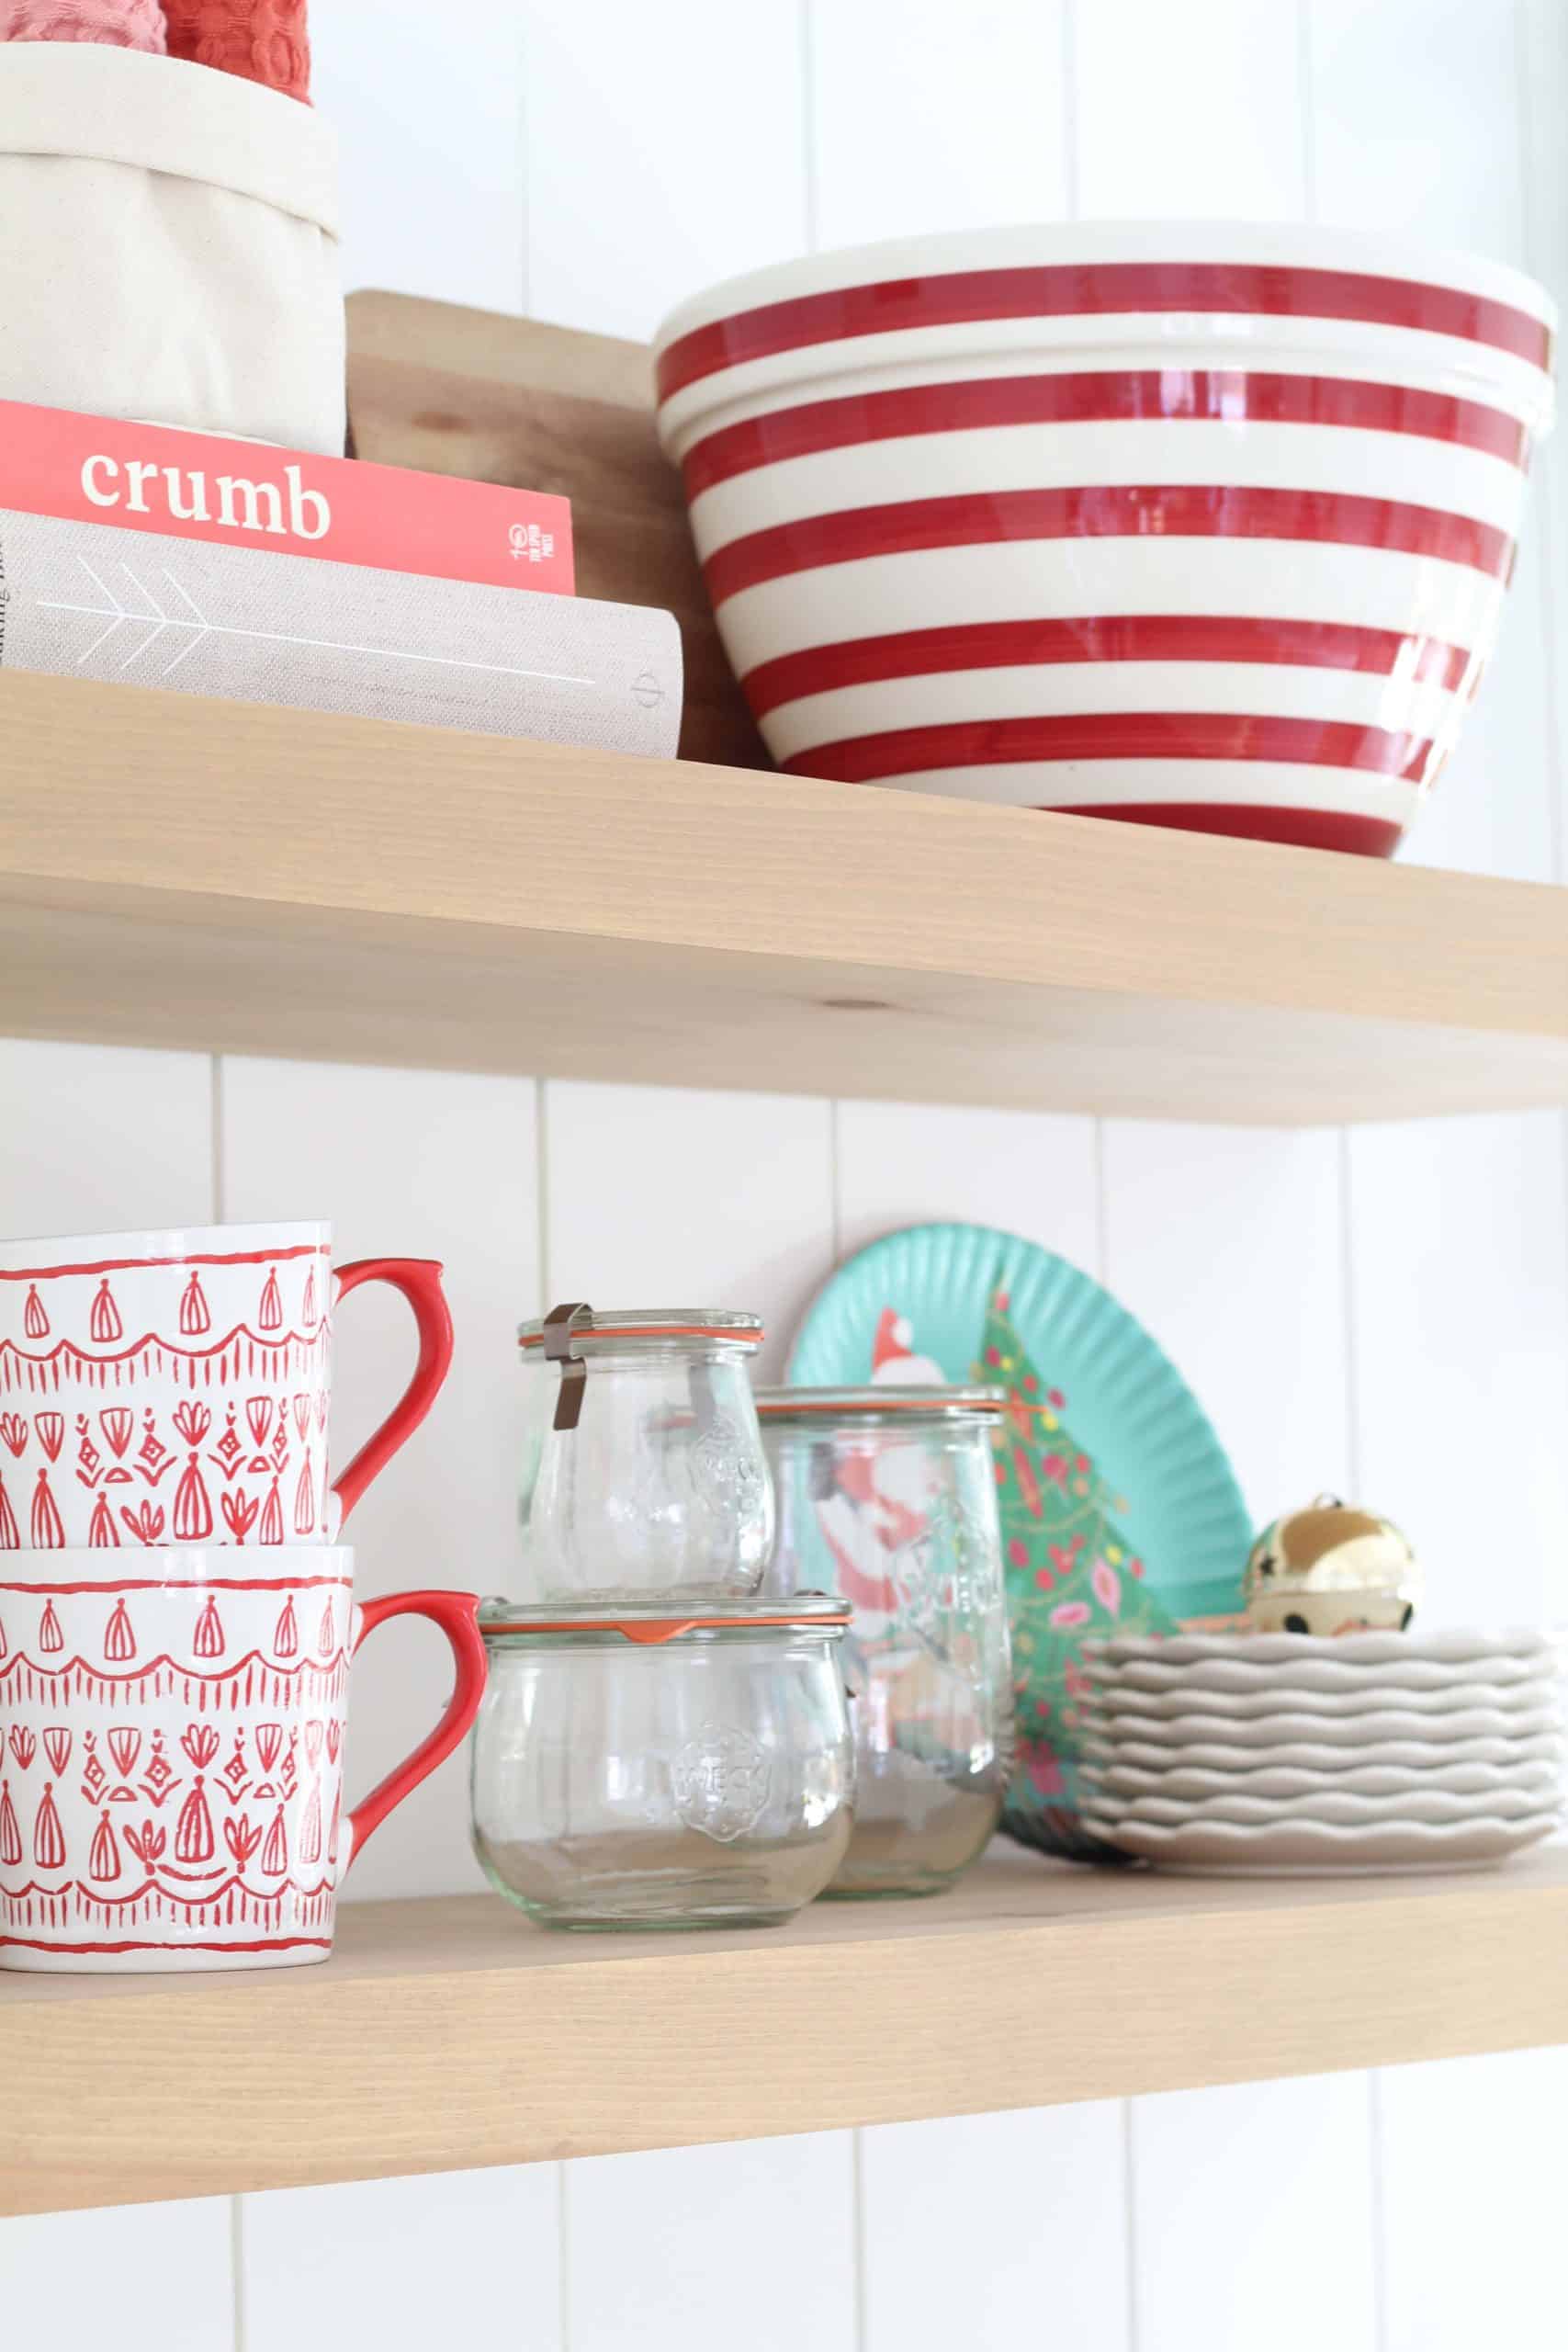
(654, 1331)
(652, 1630)
(770, 1409)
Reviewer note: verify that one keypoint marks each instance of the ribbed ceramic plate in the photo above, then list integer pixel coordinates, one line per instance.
(1425, 1758)
(1119, 1508)
(1435, 1810)
(1276, 1731)
(1198, 1784)
(1324, 1675)
(1270, 1698)
(1225, 1850)
(1452, 1646)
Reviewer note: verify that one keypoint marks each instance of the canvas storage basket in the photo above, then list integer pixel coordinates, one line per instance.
(168, 246)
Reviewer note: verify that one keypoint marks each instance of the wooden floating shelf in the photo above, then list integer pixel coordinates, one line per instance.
(448, 2034)
(184, 872)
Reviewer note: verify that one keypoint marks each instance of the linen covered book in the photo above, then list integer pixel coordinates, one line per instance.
(241, 600)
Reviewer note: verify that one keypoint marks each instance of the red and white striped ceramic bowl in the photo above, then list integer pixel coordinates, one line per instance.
(1199, 525)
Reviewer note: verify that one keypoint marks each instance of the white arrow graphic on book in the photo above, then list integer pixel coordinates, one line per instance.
(194, 622)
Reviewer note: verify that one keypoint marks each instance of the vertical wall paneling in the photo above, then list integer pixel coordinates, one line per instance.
(927, 117)
(430, 126)
(1444, 166)
(1229, 1244)
(1474, 2182)
(908, 1163)
(1543, 78)
(1189, 112)
(667, 1196)
(409, 1164)
(1253, 2217)
(1457, 1228)
(666, 149)
(98, 1138)
(699, 2249)
(993, 2230)
(1461, 1307)
(458, 2258)
(139, 2278)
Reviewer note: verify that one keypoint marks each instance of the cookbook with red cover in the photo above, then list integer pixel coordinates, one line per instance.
(174, 484)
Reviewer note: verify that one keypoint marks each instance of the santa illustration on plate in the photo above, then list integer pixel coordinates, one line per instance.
(874, 1521)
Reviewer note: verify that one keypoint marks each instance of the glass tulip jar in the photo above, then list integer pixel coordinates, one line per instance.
(635, 1769)
(643, 1474)
(888, 1496)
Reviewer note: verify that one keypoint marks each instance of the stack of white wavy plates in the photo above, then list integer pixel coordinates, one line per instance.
(1281, 1753)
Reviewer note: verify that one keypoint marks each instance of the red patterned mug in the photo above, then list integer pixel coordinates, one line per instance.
(171, 1754)
(160, 1388)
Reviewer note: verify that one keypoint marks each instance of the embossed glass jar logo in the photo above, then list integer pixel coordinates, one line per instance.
(720, 1780)
(725, 1468)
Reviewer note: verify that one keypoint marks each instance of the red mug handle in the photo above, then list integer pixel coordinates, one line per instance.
(418, 1279)
(456, 1613)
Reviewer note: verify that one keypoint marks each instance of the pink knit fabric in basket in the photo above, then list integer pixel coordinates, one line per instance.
(116, 24)
(264, 40)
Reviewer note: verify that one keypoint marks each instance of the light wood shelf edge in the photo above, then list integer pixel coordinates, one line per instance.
(180, 872)
(448, 2034)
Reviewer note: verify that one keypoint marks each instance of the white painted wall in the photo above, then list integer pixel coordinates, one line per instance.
(1388, 1310)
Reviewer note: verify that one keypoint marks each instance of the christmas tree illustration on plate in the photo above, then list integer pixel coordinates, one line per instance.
(1072, 1576)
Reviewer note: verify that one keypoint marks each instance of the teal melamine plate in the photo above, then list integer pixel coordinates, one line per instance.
(1120, 1512)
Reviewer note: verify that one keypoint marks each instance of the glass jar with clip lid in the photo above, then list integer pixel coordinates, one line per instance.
(643, 1473)
(634, 1766)
(887, 1495)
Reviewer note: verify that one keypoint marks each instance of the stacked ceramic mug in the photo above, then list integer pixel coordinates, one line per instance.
(660, 1744)
(176, 1614)
(1283, 1753)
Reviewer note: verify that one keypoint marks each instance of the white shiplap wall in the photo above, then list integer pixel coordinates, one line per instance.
(1388, 1310)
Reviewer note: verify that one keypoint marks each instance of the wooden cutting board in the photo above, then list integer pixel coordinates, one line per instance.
(471, 392)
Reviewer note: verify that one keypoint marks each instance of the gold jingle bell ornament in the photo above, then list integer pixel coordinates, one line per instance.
(1330, 1569)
